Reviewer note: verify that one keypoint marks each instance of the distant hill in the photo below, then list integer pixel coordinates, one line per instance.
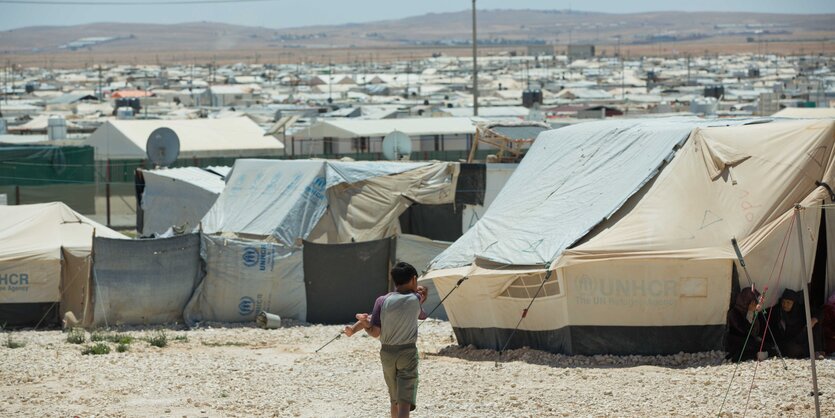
(496, 27)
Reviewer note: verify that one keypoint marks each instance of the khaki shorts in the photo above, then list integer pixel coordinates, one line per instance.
(400, 369)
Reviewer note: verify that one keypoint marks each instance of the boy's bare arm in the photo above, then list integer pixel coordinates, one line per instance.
(373, 331)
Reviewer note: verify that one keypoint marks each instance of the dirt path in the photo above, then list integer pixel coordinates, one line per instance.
(244, 371)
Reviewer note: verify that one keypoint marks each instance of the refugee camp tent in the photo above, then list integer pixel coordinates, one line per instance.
(639, 262)
(176, 197)
(199, 138)
(44, 261)
(273, 212)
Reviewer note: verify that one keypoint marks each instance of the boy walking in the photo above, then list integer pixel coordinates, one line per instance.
(394, 321)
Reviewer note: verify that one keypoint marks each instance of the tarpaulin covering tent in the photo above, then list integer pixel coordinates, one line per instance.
(325, 201)
(144, 281)
(244, 278)
(640, 262)
(177, 197)
(274, 206)
(44, 261)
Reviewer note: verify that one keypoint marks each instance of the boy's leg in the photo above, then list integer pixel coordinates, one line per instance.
(402, 410)
(407, 380)
(389, 361)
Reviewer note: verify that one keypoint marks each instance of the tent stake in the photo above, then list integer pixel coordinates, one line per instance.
(811, 341)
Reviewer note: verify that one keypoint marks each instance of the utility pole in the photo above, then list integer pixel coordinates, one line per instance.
(99, 95)
(688, 69)
(475, 66)
(330, 81)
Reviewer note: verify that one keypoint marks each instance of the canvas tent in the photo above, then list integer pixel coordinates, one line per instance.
(44, 260)
(641, 260)
(273, 211)
(176, 197)
(199, 138)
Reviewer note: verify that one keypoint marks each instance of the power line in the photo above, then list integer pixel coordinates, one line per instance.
(127, 3)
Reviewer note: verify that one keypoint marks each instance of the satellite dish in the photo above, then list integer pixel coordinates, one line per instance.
(163, 147)
(397, 146)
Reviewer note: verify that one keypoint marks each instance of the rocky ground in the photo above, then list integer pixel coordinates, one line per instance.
(243, 371)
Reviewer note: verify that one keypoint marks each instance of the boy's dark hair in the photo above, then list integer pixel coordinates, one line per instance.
(402, 272)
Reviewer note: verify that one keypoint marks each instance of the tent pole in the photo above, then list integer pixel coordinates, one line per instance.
(811, 341)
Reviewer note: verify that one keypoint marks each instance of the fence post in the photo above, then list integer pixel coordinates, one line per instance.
(16, 195)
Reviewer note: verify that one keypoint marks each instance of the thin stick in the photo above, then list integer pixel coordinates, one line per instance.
(328, 343)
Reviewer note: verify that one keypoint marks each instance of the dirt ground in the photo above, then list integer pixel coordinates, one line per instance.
(243, 371)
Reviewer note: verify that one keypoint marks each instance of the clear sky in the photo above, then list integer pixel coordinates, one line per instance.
(293, 13)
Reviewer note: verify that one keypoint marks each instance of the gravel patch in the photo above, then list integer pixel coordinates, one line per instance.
(237, 370)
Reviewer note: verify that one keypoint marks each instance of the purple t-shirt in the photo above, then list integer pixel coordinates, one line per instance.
(396, 314)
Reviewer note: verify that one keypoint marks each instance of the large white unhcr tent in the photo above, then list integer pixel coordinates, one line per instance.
(45, 263)
(634, 221)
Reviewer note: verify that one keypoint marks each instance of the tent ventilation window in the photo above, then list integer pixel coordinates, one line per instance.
(524, 287)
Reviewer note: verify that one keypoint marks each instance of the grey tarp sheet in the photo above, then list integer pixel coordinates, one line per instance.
(570, 180)
(245, 277)
(342, 280)
(285, 199)
(144, 281)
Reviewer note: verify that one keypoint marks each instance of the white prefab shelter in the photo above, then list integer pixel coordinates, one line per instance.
(806, 113)
(345, 135)
(44, 261)
(199, 138)
(631, 223)
(178, 197)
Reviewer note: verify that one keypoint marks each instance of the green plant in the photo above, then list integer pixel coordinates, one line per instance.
(97, 335)
(120, 338)
(76, 336)
(159, 339)
(96, 349)
(181, 338)
(121, 348)
(10, 343)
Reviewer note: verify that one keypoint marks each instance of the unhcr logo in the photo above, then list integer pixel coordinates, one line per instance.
(316, 189)
(246, 306)
(251, 256)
